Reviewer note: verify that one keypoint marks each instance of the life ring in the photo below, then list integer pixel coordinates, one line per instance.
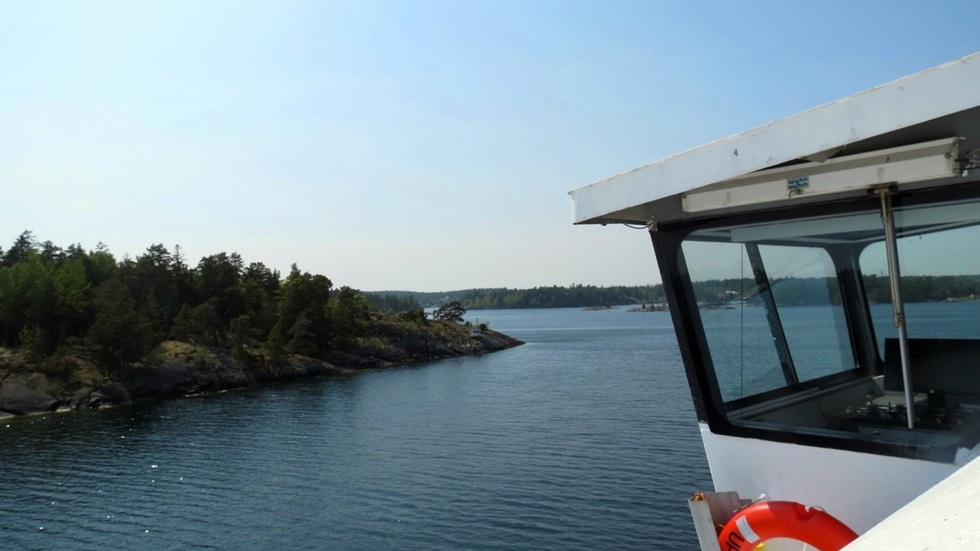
(784, 519)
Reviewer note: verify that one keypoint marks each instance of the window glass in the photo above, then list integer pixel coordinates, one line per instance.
(771, 305)
(940, 275)
(750, 355)
(807, 294)
(739, 340)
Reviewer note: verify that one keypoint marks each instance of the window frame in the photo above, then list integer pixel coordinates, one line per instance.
(668, 239)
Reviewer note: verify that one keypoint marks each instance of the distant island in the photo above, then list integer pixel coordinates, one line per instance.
(649, 308)
(790, 292)
(640, 308)
(81, 329)
(575, 296)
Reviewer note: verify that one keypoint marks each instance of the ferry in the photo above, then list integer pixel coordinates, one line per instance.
(822, 277)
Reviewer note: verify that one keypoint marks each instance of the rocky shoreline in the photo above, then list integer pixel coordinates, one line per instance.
(175, 369)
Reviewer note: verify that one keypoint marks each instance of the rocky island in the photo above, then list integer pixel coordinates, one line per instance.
(81, 329)
(175, 368)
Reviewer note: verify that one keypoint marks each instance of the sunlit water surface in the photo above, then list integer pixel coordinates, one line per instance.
(584, 438)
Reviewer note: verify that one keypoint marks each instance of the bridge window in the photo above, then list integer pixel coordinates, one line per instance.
(771, 314)
(797, 329)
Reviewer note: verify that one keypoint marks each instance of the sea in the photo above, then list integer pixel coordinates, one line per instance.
(583, 438)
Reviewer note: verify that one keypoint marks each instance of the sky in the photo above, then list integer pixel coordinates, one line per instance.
(425, 146)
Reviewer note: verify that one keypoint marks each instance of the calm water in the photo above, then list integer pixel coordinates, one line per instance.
(585, 438)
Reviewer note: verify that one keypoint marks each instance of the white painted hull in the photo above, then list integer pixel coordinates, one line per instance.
(860, 489)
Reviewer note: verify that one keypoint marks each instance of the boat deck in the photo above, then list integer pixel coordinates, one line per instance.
(945, 517)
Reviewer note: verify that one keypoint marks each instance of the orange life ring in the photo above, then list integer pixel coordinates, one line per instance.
(784, 519)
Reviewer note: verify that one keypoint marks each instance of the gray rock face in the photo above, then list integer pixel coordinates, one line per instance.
(18, 398)
(178, 369)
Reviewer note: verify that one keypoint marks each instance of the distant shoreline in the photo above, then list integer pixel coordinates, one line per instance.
(641, 308)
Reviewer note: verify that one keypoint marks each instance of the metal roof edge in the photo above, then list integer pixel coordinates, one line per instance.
(916, 98)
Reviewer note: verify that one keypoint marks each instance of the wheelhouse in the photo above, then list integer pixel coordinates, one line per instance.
(788, 322)
(823, 276)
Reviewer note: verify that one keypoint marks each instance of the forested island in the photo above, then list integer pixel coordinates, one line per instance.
(789, 291)
(80, 328)
(575, 296)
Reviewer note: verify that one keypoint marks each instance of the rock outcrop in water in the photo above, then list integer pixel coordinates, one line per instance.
(179, 369)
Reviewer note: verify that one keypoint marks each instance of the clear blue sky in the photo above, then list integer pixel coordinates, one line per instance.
(406, 145)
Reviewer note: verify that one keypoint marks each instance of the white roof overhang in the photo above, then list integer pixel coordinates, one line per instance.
(941, 102)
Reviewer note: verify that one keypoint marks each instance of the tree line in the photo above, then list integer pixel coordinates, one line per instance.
(789, 292)
(87, 301)
(575, 296)
(817, 290)
(55, 299)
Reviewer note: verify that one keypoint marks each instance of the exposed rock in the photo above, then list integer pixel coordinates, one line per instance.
(18, 398)
(178, 368)
(112, 394)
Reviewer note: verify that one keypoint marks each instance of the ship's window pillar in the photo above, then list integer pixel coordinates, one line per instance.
(772, 314)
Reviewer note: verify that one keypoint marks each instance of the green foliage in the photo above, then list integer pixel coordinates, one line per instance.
(117, 311)
(451, 311)
(301, 337)
(100, 266)
(575, 296)
(275, 345)
(22, 247)
(71, 289)
(260, 289)
(151, 282)
(241, 338)
(304, 295)
(416, 317)
(119, 333)
(32, 342)
(240, 331)
(219, 279)
(392, 303)
(199, 324)
(349, 317)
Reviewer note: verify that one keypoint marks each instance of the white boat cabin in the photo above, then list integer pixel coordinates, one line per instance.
(823, 275)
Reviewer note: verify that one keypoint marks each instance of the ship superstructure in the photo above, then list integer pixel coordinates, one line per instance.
(823, 274)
